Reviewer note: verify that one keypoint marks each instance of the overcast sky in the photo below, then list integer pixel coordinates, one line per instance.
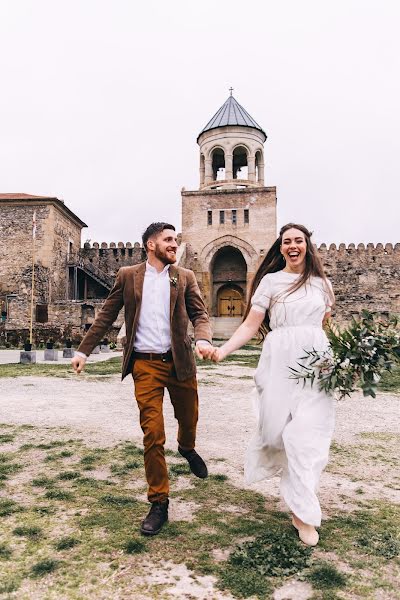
(101, 103)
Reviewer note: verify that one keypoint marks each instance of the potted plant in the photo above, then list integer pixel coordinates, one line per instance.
(50, 345)
(68, 343)
(27, 346)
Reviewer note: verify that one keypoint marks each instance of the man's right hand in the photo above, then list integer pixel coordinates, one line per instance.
(78, 363)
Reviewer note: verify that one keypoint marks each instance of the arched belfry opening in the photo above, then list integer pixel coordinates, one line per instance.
(229, 275)
(218, 164)
(240, 165)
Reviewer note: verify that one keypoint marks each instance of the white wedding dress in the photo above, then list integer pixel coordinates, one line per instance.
(295, 422)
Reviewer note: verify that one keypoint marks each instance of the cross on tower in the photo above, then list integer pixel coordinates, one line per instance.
(231, 90)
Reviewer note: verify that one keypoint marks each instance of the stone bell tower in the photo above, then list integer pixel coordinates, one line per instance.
(230, 222)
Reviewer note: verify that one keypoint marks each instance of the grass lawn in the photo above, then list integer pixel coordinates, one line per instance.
(69, 518)
(111, 366)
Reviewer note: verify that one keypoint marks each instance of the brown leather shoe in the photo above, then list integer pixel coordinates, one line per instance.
(157, 516)
(196, 463)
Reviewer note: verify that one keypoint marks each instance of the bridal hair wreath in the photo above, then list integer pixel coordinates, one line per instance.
(357, 357)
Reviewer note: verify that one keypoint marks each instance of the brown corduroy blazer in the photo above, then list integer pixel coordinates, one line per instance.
(185, 303)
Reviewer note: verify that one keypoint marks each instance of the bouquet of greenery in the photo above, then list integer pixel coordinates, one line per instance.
(357, 356)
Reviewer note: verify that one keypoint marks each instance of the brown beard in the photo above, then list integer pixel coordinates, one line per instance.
(162, 256)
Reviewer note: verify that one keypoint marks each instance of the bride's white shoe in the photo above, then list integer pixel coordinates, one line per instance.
(307, 533)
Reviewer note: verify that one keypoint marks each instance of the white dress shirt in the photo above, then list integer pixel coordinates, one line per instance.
(153, 332)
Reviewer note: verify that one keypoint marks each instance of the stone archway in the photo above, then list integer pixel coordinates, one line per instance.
(229, 276)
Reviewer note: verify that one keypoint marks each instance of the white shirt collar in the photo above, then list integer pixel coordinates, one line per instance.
(153, 270)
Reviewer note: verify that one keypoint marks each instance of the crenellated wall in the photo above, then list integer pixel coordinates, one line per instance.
(109, 258)
(363, 277)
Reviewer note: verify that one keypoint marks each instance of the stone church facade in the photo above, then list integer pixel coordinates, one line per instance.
(228, 224)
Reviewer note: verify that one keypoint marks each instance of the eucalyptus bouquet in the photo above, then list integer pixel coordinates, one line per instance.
(357, 356)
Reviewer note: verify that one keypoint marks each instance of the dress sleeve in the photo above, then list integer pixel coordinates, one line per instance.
(262, 296)
(328, 296)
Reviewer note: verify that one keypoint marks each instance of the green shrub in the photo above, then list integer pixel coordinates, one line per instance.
(31, 532)
(66, 543)
(274, 553)
(326, 576)
(43, 567)
(380, 544)
(134, 547)
(117, 500)
(5, 552)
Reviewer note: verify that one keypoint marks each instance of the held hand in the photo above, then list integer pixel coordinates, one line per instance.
(204, 351)
(217, 355)
(78, 363)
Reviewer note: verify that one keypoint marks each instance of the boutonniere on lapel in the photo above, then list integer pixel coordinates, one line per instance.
(173, 281)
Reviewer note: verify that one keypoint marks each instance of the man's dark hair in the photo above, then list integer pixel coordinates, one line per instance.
(154, 229)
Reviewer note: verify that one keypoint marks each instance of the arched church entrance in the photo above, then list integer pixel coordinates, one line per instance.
(229, 275)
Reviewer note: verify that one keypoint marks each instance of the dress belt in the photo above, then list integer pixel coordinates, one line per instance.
(165, 356)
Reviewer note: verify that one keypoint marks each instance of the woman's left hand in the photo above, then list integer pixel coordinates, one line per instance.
(218, 355)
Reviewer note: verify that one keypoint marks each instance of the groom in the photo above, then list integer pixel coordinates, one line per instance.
(159, 299)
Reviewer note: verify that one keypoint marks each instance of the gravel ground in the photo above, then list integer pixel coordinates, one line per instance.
(103, 412)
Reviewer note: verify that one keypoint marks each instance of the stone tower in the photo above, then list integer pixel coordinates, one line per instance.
(230, 222)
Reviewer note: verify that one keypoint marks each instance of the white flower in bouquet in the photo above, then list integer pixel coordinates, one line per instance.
(358, 356)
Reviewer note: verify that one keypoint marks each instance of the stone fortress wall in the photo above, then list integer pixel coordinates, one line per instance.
(111, 257)
(363, 276)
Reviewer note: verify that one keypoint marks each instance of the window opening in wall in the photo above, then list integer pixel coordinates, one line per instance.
(246, 215)
(41, 313)
(222, 217)
(234, 217)
(209, 217)
(218, 164)
(115, 251)
(130, 251)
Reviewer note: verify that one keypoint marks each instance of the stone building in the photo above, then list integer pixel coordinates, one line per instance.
(70, 282)
(228, 225)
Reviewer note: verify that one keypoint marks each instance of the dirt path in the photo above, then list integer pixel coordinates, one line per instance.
(104, 412)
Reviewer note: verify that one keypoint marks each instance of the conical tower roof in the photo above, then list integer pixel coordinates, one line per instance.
(231, 113)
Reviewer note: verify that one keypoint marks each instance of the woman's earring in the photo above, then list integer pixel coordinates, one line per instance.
(283, 257)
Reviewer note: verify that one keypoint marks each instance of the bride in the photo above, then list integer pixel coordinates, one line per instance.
(291, 299)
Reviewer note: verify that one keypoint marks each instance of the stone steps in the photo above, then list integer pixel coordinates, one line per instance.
(224, 327)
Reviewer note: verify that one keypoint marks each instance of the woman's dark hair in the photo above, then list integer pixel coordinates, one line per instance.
(154, 229)
(274, 262)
